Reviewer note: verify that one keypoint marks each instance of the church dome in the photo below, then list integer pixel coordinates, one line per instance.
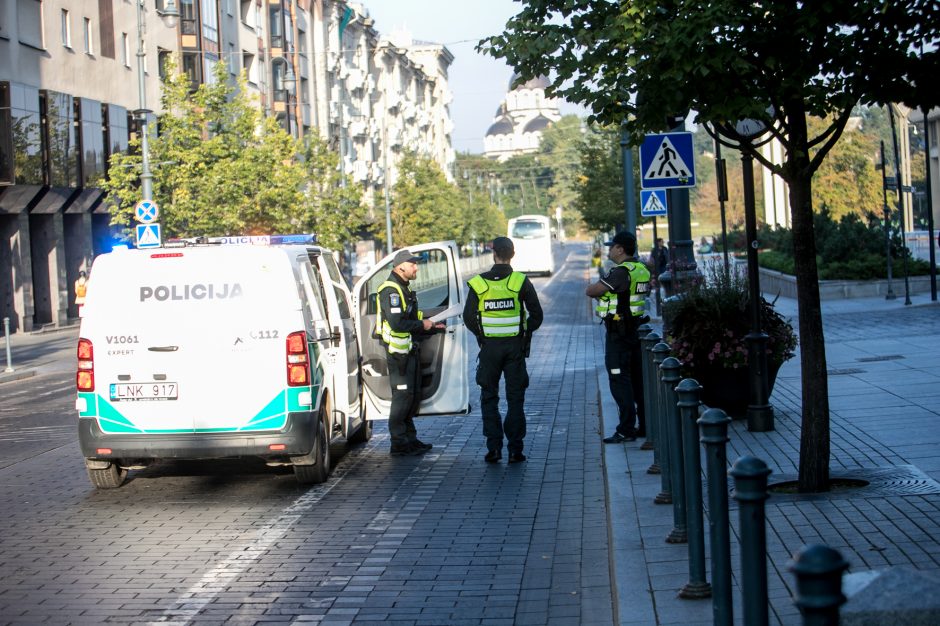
(502, 126)
(536, 124)
(539, 82)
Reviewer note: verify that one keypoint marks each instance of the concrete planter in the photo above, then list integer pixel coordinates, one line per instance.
(774, 283)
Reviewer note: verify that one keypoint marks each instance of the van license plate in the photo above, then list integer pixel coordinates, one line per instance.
(144, 391)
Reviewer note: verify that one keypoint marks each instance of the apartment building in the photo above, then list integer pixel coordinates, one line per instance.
(70, 97)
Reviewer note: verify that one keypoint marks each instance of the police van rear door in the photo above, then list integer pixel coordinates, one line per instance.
(444, 367)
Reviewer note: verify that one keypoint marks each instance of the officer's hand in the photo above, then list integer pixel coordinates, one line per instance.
(428, 324)
(440, 326)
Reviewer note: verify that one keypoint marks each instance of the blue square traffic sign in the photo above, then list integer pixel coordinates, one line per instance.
(148, 236)
(653, 202)
(667, 161)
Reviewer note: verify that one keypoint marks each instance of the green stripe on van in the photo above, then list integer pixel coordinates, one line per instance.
(272, 417)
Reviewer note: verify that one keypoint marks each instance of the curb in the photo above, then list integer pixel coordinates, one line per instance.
(9, 377)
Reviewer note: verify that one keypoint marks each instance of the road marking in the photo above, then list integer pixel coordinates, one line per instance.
(188, 605)
(556, 274)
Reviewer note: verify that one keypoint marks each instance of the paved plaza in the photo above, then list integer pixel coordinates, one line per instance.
(571, 536)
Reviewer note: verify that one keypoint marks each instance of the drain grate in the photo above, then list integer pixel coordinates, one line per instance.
(898, 480)
(844, 372)
(874, 359)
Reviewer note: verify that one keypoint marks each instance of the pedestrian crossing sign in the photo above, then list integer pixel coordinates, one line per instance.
(148, 236)
(667, 161)
(653, 202)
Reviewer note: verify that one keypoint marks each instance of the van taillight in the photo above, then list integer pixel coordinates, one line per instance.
(298, 372)
(85, 378)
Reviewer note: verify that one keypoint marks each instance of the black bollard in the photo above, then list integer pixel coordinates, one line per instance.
(750, 490)
(688, 393)
(649, 397)
(819, 572)
(642, 331)
(714, 427)
(671, 417)
(660, 352)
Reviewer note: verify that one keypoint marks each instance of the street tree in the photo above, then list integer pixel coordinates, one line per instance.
(599, 183)
(425, 207)
(774, 62)
(221, 168)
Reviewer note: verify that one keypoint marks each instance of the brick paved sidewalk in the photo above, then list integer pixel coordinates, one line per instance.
(884, 386)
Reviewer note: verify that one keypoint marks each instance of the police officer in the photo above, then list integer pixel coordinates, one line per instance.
(502, 311)
(400, 324)
(621, 303)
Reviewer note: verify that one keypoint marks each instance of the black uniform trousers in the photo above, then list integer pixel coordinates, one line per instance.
(404, 373)
(503, 357)
(622, 357)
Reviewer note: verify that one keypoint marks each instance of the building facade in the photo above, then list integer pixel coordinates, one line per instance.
(70, 97)
(520, 120)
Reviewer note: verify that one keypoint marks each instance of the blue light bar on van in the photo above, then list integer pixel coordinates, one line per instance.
(266, 240)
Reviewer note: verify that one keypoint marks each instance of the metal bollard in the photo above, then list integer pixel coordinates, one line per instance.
(650, 405)
(660, 352)
(750, 490)
(6, 335)
(688, 393)
(671, 417)
(819, 572)
(643, 331)
(714, 427)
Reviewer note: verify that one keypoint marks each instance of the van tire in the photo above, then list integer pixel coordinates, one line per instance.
(110, 478)
(320, 470)
(363, 433)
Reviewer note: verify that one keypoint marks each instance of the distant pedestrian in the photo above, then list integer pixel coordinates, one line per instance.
(400, 326)
(502, 311)
(621, 296)
(81, 288)
(660, 257)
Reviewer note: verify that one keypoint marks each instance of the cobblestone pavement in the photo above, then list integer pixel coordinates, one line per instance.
(884, 389)
(440, 539)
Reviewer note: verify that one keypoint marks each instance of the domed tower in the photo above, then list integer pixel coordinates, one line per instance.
(520, 119)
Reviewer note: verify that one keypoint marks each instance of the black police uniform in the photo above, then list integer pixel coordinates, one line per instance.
(622, 357)
(404, 370)
(503, 356)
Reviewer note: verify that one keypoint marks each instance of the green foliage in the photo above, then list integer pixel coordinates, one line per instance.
(220, 168)
(600, 182)
(708, 323)
(425, 207)
(850, 248)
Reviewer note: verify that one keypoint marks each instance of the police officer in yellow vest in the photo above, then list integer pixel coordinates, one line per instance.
(621, 303)
(400, 325)
(502, 311)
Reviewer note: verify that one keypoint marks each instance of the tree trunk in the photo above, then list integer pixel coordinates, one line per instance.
(814, 439)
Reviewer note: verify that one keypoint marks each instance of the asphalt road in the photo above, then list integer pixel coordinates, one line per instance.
(440, 539)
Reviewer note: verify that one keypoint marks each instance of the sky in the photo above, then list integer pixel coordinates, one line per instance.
(479, 83)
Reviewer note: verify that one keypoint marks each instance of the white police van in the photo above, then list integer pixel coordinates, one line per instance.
(207, 351)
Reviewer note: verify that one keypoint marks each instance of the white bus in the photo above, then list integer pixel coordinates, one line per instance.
(532, 237)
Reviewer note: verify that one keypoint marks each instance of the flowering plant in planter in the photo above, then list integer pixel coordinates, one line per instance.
(707, 325)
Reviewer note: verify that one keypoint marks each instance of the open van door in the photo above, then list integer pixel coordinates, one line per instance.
(444, 367)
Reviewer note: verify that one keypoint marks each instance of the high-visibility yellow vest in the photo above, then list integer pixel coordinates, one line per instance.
(398, 342)
(501, 313)
(639, 287)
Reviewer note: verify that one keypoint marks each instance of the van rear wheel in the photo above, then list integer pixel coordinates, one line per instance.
(320, 470)
(110, 478)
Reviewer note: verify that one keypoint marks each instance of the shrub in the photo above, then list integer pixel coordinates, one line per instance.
(707, 325)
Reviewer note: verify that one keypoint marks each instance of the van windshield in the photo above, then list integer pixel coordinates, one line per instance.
(528, 230)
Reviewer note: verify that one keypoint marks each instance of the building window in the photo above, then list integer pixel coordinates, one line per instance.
(162, 57)
(29, 22)
(89, 42)
(232, 60)
(248, 64)
(66, 29)
(188, 17)
(125, 50)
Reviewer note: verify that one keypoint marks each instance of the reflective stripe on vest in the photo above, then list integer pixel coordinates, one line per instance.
(500, 311)
(639, 287)
(394, 341)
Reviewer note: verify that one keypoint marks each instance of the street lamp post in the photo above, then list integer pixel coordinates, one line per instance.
(170, 15)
